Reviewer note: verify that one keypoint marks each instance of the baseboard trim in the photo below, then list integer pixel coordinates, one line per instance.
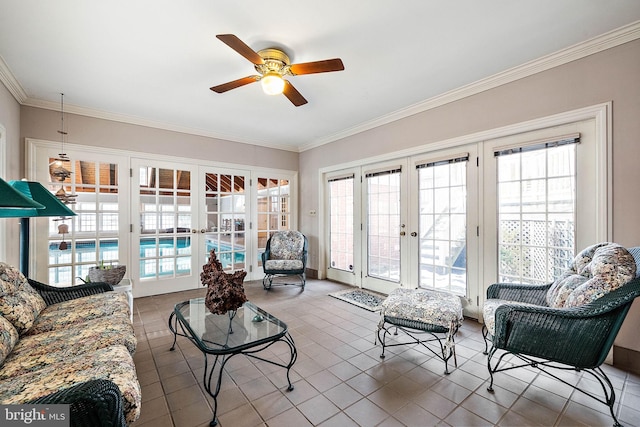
(626, 359)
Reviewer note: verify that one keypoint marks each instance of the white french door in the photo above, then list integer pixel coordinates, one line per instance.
(443, 233)
(165, 202)
(515, 208)
(384, 215)
(343, 231)
(543, 202)
(98, 234)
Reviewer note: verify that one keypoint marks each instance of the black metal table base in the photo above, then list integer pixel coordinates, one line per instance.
(210, 368)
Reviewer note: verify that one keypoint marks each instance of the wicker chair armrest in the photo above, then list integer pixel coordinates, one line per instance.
(530, 294)
(52, 294)
(92, 403)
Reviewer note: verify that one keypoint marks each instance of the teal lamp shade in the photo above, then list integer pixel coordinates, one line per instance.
(37, 192)
(52, 206)
(13, 202)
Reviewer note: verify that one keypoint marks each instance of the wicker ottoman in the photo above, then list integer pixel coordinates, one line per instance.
(417, 312)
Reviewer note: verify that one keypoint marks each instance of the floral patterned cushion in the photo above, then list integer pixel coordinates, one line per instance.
(287, 245)
(19, 302)
(34, 352)
(422, 305)
(111, 363)
(64, 314)
(594, 272)
(8, 338)
(283, 264)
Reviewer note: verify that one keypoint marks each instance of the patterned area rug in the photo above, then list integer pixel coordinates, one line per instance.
(361, 297)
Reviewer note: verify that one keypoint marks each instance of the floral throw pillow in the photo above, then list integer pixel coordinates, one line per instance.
(594, 272)
(20, 304)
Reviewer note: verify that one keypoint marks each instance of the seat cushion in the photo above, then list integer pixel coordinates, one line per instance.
(424, 306)
(283, 265)
(8, 338)
(111, 363)
(594, 272)
(20, 304)
(64, 314)
(34, 352)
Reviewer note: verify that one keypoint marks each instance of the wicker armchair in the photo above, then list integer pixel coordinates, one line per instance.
(285, 255)
(95, 403)
(542, 337)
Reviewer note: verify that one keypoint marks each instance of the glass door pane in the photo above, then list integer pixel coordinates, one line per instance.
(163, 232)
(536, 214)
(274, 209)
(442, 199)
(93, 236)
(165, 223)
(385, 200)
(225, 205)
(341, 224)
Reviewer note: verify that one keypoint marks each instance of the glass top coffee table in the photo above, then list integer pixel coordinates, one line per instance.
(248, 330)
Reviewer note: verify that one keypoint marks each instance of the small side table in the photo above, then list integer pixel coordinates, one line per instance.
(126, 287)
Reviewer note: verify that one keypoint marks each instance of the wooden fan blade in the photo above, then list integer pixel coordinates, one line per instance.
(293, 95)
(317, 67)
(239, 46)
(234, 84)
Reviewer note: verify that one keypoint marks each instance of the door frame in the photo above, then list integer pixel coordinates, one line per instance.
(253, 272)
(600, 113)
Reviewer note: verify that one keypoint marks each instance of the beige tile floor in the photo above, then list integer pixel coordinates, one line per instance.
(341, 381)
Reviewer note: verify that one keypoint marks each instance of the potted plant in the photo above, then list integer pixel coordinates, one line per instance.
(107, 273)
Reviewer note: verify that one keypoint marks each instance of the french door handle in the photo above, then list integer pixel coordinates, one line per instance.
(203, 230)
(402, 233)
(414, 234)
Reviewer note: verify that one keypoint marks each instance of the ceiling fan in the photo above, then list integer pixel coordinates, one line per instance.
(273, 65)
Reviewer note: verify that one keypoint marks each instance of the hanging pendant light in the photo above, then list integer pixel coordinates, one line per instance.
(57, 168)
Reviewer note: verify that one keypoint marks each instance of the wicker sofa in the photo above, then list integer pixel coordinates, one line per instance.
(68, 345)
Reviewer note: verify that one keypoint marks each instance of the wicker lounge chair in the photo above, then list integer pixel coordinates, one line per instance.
(574, 338)
(285, 255)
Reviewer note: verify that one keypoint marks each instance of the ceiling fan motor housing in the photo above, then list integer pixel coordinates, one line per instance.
(275, 60)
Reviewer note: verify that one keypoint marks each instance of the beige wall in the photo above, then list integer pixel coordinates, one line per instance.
(10, 119)
(44, 124)
(611, 75)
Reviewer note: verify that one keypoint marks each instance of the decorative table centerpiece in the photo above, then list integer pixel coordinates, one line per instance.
(225, 291)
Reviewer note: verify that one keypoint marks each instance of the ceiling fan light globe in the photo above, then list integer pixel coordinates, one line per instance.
(272, 84)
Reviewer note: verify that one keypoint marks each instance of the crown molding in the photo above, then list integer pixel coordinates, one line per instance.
(581, 50)
(10, 82)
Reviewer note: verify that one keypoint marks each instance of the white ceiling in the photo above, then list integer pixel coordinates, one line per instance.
(152, 61)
